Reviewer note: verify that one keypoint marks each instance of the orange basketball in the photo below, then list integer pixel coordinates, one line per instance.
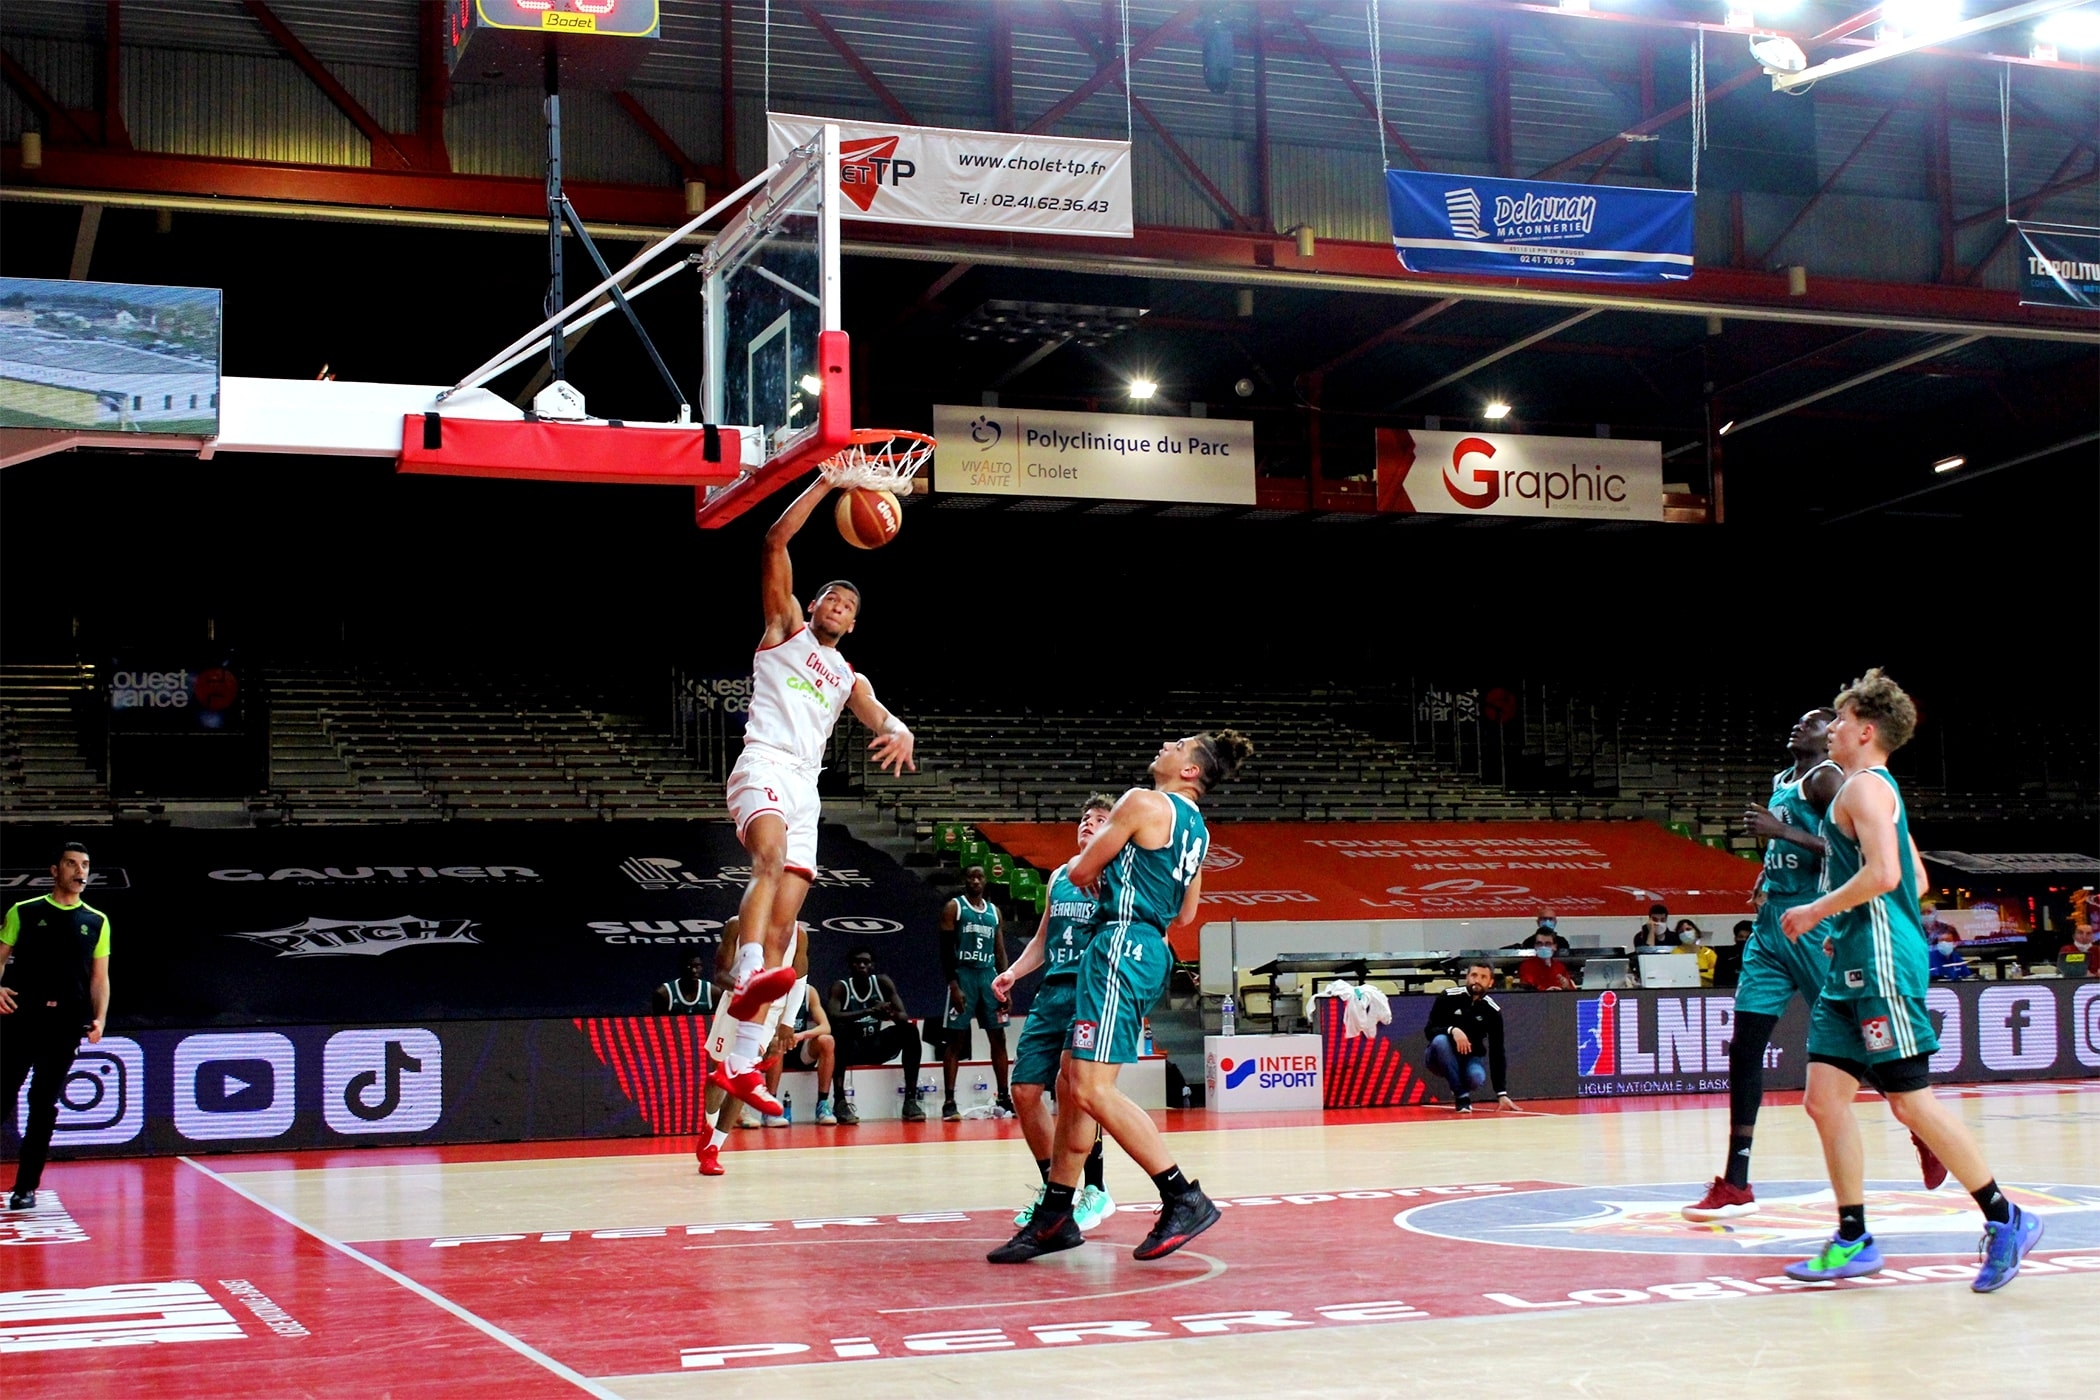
(869, 519)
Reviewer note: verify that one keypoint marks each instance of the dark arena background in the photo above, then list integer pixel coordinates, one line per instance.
(404, 790)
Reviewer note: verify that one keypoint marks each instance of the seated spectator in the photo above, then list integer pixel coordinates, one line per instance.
(1465, 1039)
(872, 1028)
(2080, 946)
(1548, 925)
(808, 1044)
(1543, 971)
(1944, 960)
(692, 994)
(1701, 946)
(1728, 962)
(1656, 932)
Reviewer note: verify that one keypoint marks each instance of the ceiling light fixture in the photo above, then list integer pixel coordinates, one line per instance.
(1497, 411)
(1143, 388)
(812, 385)
(1726, 428)
(1948, 464)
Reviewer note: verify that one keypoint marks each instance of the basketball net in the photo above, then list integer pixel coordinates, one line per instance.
(879, 459)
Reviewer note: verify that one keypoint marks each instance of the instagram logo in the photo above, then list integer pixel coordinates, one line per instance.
(103, 1100)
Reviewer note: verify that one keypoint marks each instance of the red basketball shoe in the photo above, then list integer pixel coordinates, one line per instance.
(1933, 1169)
(750, 1087)
(710, 1160)
(1722, 1202)
(763, 989)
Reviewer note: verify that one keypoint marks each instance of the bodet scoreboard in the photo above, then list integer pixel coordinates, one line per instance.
(599, 43)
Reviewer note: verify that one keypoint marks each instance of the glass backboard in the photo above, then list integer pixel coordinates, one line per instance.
(769, 287)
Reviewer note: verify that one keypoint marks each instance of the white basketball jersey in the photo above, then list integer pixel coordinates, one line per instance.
(798, 688)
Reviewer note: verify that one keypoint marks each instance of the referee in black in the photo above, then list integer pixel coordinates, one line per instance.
(54, 984)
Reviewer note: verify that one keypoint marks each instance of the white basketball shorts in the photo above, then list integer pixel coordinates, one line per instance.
(758, 784)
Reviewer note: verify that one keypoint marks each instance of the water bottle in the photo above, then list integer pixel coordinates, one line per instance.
(1228, 1018)
(1148, 1038)
(1184, 1096)
(787, 1107)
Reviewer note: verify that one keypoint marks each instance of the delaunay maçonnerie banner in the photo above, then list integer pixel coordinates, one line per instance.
(948, 178)
(1093, 456)
(1536, 228)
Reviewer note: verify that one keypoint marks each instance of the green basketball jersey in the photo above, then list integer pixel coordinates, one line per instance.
(1073, 915)
(975, 928)
(1145, 887)
(1793, 872)
(1877, 948)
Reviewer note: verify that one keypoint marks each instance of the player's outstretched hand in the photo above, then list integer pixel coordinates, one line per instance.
(1797, 921)
(1003, 987)
(893, 752)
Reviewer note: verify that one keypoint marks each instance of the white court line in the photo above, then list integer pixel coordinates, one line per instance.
(1217, 1266)
(489, 1329)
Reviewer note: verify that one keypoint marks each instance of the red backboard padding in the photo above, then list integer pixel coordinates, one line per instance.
(546, 451)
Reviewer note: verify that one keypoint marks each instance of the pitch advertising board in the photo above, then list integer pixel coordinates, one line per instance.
(1256, 1073)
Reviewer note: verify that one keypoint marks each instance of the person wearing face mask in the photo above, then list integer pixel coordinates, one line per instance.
(1943, 958)
(1656, 932)
(1543, 971)
(2080, 946)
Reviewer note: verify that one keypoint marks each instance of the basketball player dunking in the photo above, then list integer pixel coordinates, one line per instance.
(799, 684)
(1146, 869)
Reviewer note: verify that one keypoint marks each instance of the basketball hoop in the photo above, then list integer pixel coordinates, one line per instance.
(879, 459)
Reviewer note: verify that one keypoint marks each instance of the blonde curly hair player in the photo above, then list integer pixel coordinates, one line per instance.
(1145, 868)
(1870, 1024)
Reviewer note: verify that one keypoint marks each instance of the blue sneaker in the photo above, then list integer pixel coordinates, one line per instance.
(2003, 1247)
(1027, 1213)
(1093, 1206)
(1838, 1259)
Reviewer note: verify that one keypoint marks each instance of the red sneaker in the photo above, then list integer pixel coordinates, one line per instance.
(750, 1087)
(710, 1160)
(761, 991)
(1934, 1170)
(1722, 1202)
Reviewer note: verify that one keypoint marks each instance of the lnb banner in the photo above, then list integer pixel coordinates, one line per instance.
(1537, 228)
(1439, 473)
(948, 178)
(1093, 456)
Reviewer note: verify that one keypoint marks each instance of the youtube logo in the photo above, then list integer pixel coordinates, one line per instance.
(234, 1086)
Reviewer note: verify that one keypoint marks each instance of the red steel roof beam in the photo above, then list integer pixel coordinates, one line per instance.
(385, 152)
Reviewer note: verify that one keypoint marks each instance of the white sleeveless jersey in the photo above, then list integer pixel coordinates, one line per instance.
(798, 689)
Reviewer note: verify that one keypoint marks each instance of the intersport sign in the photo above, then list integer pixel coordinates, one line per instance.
(942, 177)
(1439, 473)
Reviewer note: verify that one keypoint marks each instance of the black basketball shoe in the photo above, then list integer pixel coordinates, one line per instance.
(1035, 1239)
(1190, 1214)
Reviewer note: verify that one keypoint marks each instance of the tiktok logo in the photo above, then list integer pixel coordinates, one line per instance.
(382, 1081)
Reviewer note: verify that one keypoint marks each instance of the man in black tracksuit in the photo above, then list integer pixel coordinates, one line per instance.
(1465, 1039)
(54, 959)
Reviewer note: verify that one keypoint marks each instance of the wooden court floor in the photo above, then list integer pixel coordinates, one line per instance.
(1405, 1252)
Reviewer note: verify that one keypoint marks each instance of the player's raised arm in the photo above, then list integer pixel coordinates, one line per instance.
(893, 744)
(776, 578)
(1135, 810)
(1031, 958)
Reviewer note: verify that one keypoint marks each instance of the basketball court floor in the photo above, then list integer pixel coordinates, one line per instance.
(1389, 1252)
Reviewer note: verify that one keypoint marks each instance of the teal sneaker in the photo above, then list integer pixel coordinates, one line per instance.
(1093, 1206)
(1027, 1213)
(2003, 1247)
(1838, 1259)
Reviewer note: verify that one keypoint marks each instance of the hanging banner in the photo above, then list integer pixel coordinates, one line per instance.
(1435, 473)
(941, 177)
(1534, 228)
(1093, 456)
(2059, 268)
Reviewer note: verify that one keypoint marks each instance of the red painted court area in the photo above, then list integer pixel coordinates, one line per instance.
(165, 1277)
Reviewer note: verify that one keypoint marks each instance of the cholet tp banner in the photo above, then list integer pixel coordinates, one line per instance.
(949, 178)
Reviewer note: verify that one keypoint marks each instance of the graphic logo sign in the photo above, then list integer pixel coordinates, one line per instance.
(104, 1098)
(1083, 1033)
(1428, 470)
(1462, 209)
(234, 1086)
(1243, 1073)
(986, 431)
(861, 924)
(1236, 1074)
(1793, 1218)
(382, 1081)
(378, 874)
(327, 938)
(1597, 1035)
(1221, 858)
(867, 164)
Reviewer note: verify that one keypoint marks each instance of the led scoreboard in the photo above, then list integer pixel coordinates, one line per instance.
(508, 40)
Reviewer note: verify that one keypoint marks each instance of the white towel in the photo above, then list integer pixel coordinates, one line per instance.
(1363, 1009)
